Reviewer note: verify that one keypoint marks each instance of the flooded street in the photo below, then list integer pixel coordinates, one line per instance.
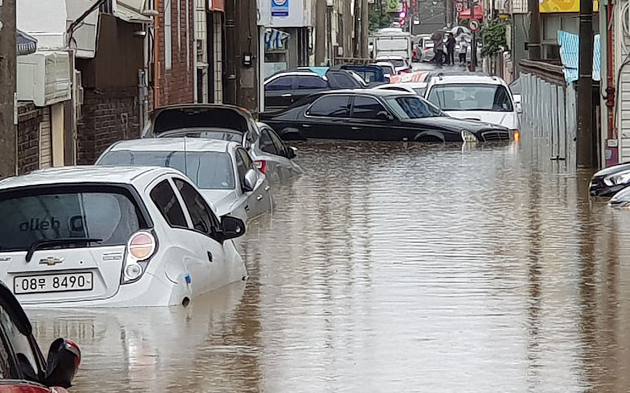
(392, 267)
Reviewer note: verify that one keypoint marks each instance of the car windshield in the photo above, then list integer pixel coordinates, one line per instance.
(368, 75)
(208, 170)
(471, 97)
(65, 212)
(412, 108)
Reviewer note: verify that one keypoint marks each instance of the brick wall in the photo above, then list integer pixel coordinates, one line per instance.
(177, 83)
(109, 115)
(30, 118)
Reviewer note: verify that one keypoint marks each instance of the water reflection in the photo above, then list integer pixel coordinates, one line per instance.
(395, 267)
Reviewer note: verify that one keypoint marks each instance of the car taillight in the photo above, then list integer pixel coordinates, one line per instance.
(261, 165)
(141, 247)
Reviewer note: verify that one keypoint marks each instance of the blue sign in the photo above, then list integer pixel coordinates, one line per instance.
(279, 7)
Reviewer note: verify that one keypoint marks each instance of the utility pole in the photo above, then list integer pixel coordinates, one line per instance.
(357, 29)
(473, 43)
(8, 70)
(534, 45)
(241, 31)
(448, 6)
(585, 144)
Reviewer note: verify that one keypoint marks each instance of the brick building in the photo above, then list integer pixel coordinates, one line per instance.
(175, 69)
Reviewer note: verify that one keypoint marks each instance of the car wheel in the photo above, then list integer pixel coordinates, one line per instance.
(428, 139)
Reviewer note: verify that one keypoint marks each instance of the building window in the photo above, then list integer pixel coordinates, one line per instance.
(168, 45)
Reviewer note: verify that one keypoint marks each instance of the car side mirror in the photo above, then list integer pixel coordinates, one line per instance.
(249, 180)
(232, 227)
(64, 357)
(291, 152)
(517, 103)
(383, 115)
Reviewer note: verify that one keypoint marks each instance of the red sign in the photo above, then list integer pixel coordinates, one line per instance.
(216, 5)
(477, 13)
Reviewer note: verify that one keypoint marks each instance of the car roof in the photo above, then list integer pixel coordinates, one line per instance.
(87, 174)
(407, 84)
(304, 72)
(176, 144)
(373, 92)
(468, 79)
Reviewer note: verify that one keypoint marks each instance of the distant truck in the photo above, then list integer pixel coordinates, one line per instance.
(388, 43)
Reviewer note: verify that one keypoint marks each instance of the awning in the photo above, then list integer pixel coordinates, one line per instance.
(25, 43)
(275, 39)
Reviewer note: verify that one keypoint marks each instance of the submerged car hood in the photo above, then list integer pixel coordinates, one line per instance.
(220, 200)
(453, 124)
(505, 119)
(613, 169)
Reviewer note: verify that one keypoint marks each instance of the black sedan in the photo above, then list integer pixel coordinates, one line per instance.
(611, 180)
(377, 115)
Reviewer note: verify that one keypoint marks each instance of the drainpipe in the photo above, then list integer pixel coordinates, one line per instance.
(156, 55)
(610, 89)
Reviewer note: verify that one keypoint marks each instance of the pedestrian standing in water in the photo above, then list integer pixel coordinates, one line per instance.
(438, 46)
(450, 46)
(463, 50)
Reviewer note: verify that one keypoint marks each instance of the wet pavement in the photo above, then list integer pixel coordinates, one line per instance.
(393, 267)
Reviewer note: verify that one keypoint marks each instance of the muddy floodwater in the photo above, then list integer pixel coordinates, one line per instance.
(392, 267)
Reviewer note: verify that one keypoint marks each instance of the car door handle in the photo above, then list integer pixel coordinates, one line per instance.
(259, 198)
(287, 95)
(267, 188)
(209, 256)
(306, 125)
(355, 128)
(247, 208)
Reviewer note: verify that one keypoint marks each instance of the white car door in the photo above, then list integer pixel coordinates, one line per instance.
(210, 268)
(258, 200)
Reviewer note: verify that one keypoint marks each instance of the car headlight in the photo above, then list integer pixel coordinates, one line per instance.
(468, 136)
(617, 178)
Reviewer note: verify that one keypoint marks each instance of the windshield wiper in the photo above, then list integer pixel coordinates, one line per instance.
(53, 242)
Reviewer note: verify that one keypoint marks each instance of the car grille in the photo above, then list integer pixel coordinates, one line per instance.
(495, 135)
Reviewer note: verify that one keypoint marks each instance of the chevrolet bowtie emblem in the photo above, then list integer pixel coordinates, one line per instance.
(51, 261)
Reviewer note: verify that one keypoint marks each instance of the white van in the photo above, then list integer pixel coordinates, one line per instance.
(476, 97)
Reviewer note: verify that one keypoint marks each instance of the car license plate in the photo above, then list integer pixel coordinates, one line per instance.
(53, 283)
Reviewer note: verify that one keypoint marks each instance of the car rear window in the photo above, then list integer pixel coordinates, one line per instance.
(208, 170)
(31, 215)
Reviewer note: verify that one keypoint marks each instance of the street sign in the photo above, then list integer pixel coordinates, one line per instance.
(459, 7)
(474, 25)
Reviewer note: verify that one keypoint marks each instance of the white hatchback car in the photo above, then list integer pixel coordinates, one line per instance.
(475, 97)
(224, 172)
(113, 237)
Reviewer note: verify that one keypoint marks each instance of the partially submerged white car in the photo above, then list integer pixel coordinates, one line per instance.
(113, 237)
(224, 172)
(475, 97)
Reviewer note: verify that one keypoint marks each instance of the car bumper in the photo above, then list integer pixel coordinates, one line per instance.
(149, 291)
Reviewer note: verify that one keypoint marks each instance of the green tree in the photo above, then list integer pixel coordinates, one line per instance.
(378, 20)
(493, 37)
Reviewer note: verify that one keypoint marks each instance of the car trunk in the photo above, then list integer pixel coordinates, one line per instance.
(200, 116)
(66, 243)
